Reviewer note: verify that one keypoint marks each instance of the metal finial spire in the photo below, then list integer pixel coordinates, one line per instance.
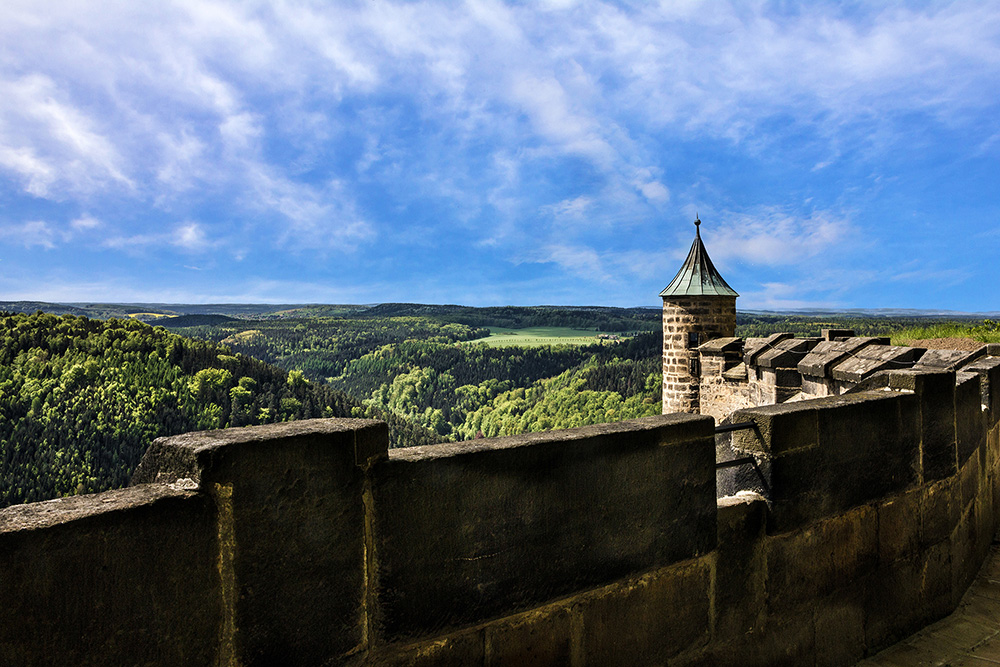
(698, 276)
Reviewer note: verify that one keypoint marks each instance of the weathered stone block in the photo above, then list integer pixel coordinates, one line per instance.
(539, 637)
(740, 572)
(964, 545)
(754, 347)
(947, 360)
(970, 419)
(649, 620)
(779, 428)
(458, 649)
(840, 628)
(827, 353)
(989, 368)
(827, 455)
(786, 640)
(817, 560)
(899, 526)
(728, 344)
(786, 353)
(894, 606)
(938, 595)
(985, 524)
(873, 358)
(936, 393)
(939, 512)
(124, 577)
(291, 520)
(817, 387)
(969, 480)
(833, 334)
(455, 524)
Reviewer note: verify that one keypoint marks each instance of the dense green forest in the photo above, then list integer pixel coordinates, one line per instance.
(432, 373)
(81, 399)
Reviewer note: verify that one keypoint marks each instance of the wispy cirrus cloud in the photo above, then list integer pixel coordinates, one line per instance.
(31, 233)
(775, 236)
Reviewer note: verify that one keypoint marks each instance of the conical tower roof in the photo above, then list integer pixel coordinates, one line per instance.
(698, 276)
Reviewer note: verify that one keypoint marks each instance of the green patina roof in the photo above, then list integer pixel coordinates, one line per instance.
(698, 276)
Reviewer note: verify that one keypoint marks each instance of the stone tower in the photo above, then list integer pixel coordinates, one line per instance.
(698, 305)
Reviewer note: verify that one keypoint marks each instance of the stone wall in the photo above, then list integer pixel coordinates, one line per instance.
(310, 543)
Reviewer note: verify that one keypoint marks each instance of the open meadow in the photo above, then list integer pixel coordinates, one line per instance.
(539, 336)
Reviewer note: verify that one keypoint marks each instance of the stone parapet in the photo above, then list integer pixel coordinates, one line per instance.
(310, 543)
(446, 557)
(828, 353)
(836, 334)
(726, 345)
(947, 360)
(291, 524)
(873, 358)
(786, 353)
(828, 455)
(757, 346)
(125, 577)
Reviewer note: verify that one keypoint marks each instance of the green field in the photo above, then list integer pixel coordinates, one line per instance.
(538, 336)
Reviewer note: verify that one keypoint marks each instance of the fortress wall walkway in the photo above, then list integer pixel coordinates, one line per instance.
(311, 543)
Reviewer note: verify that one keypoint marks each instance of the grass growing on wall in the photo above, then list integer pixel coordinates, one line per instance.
(988, 331)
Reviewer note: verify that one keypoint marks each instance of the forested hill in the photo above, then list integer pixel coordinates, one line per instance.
(81, 399)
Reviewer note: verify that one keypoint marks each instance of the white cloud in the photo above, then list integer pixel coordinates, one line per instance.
(31, 233)
(655, 191)
(573, 208)
(134, 242)
(947, 277)
(190, 237)
(187, 236)
(772, 236)
(240, 131)
(84, 222)
(37, 175)
(554, 117)
(312, 217)
(783, 296)
(578, 260)
(585, 86)
(50, 143)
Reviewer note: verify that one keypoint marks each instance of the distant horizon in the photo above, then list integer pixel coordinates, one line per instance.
(838, 155)
(887, 311)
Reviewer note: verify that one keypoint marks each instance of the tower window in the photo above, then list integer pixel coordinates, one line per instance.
(693, 339)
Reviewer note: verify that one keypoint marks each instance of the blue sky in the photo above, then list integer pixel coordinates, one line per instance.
(485, 153)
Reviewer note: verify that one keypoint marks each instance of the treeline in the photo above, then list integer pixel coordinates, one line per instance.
(81, 399)
(596, 318)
